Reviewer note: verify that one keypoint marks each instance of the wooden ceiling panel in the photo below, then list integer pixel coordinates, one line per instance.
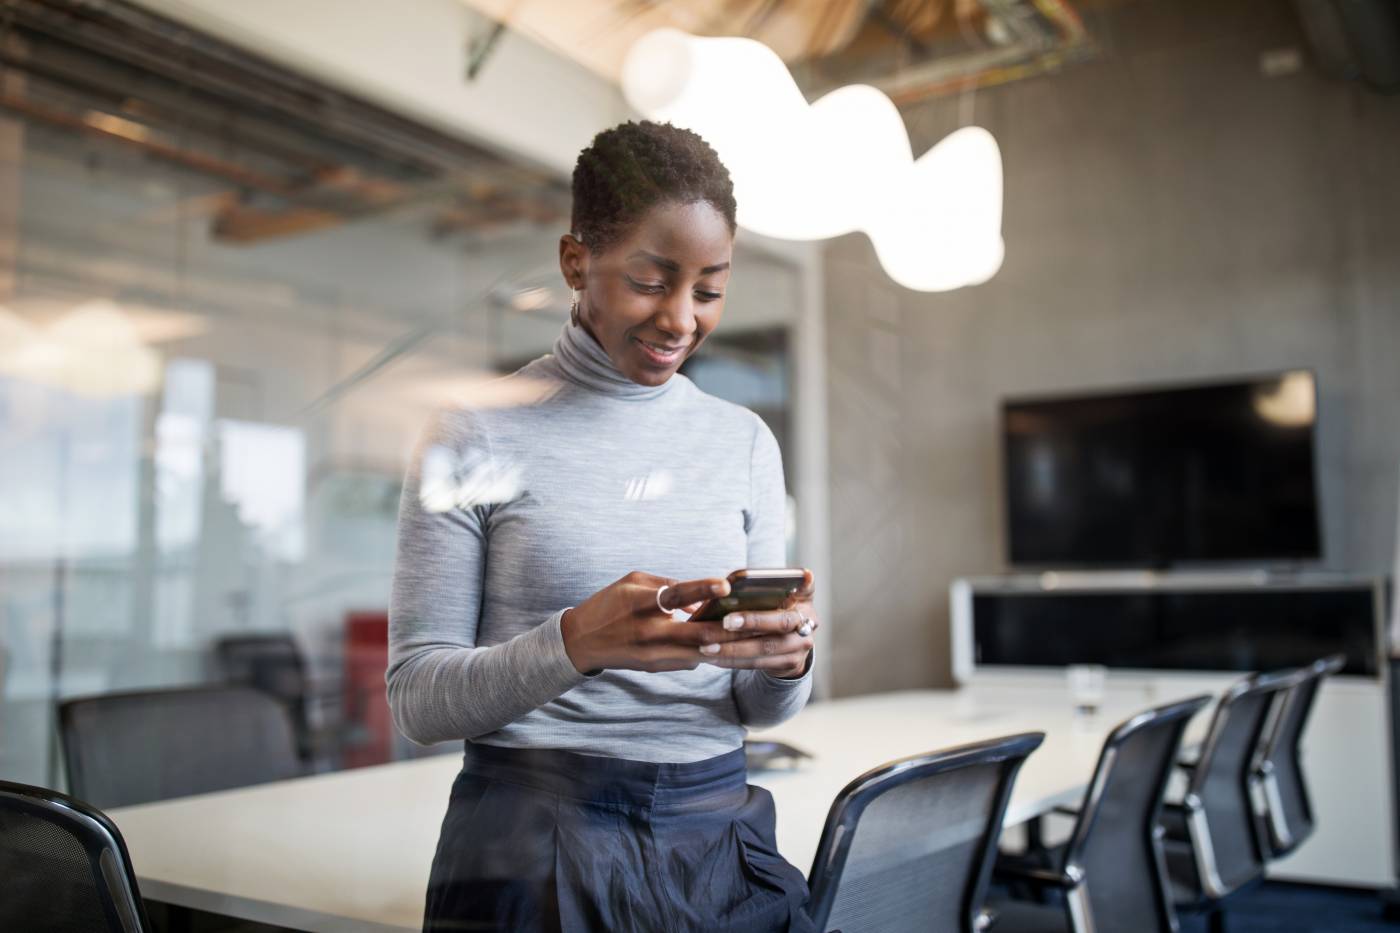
(910, 48)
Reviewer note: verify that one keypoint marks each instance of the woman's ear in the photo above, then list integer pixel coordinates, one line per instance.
(573, 261)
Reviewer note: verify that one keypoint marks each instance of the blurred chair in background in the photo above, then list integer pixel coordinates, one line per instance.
(909, 845)
(274, 663)
(128, 748)
(1286, 818)
(63, 867)
(1211, 838)
(1111, 874)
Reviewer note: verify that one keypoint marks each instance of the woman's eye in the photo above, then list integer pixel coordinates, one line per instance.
(709, 296)
(650, 288)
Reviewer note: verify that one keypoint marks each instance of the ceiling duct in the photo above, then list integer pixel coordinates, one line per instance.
(910, 49)
(1355, 38)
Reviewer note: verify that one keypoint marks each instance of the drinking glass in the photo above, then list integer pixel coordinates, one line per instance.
(1087, 683)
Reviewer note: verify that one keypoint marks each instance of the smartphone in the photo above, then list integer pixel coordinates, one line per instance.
(752, 590)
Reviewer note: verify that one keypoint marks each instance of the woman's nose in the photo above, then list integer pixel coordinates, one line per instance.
(676, 317)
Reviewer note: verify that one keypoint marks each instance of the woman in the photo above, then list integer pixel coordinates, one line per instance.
(604, 785)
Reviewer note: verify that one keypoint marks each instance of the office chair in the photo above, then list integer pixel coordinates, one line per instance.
(909, 845)
(63, 867)
(1112, 870)
(1287, 817)
(1111, 873)
(1211, 837)
(128, 748)
(270, 662)
(273, 663)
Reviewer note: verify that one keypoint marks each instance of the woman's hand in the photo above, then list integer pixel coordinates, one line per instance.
(621, 626)
(770, 641)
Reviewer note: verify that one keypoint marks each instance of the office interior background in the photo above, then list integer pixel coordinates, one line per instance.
(247, 249)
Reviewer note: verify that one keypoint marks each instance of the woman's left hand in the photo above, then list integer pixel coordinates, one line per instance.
(776, 645)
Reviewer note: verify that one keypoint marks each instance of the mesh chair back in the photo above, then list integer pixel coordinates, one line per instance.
(128, 748)
(1223, 831)
(271, 663)
(1289, 816)
(1116, 847)
(63, 866)
(910, 845)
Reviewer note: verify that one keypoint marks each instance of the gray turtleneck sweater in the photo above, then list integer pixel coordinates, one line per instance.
(511, 514)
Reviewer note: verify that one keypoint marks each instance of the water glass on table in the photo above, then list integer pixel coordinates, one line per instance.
(1087, 685)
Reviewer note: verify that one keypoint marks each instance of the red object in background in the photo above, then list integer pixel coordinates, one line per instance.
(366, 705)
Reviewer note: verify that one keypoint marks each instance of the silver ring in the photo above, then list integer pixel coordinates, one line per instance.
(805, 628)
(664, 588)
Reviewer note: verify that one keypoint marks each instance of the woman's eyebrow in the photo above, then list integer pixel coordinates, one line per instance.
(671, 265)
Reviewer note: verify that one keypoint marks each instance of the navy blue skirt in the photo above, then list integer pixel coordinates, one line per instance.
(546, 840)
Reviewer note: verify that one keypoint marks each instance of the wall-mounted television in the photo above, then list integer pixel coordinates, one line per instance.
(1221, 472)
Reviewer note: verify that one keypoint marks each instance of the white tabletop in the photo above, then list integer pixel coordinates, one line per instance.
(351, 850)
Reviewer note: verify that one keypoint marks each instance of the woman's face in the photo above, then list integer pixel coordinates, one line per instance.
(655, 294)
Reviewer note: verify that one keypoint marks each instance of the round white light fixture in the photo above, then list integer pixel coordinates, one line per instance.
(840, 164)
(93, 350)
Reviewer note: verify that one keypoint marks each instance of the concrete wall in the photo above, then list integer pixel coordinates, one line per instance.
(1170, 214)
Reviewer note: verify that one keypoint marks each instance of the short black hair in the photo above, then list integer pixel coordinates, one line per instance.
(631, 168)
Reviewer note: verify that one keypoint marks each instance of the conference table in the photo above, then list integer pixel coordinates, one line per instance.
(351, 850)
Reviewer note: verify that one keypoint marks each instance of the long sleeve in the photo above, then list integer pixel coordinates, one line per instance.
(441, 685)
(764, 700)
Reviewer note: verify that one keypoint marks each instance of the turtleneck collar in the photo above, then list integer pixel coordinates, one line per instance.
(583, 361)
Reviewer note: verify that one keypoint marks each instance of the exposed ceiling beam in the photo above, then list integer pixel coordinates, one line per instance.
(299, 155)
(597, 33)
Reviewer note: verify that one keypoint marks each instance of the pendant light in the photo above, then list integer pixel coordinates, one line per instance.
(840, 164)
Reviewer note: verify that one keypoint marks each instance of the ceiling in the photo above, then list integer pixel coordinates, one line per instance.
(293, 155)
(911, 49)
(290, 155)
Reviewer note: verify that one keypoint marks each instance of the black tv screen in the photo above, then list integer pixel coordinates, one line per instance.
(1151, 478)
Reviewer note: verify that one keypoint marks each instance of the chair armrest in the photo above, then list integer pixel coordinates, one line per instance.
(1173, 823)
(1036, 875)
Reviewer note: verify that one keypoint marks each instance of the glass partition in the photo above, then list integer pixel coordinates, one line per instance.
(221, 332)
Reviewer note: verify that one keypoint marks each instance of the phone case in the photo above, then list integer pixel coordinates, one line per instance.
(752, 591)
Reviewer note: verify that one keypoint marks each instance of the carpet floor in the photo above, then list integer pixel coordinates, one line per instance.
(1276, 907)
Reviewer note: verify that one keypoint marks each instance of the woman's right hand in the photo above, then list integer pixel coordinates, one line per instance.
(621, 626)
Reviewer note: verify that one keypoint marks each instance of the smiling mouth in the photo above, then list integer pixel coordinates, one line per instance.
(659, 354)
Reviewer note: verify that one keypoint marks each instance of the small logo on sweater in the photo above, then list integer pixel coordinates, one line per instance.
(654, 485)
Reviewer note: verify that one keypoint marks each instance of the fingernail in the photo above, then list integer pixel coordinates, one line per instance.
(709, 649)
(733, 622)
